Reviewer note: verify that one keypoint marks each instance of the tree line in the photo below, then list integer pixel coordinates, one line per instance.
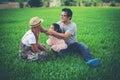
(40, 3)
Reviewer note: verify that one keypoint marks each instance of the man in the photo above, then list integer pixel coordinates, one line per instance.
(69, 35)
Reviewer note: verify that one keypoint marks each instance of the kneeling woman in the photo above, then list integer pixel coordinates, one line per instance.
(30, 48)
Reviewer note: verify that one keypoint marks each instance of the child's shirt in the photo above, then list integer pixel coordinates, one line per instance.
(56, 44)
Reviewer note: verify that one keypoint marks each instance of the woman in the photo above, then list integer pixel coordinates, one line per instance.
(30, 48)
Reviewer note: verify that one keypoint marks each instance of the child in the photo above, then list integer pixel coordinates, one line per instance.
(55, 43)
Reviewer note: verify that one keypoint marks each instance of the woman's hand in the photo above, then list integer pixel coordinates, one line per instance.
(43, 47)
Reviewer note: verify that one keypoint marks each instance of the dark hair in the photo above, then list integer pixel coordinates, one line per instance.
(57, 27)
(69, 12)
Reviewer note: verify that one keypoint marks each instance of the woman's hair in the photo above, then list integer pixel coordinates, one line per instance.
(57, 27)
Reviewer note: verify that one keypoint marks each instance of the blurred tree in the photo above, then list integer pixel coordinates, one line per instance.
(117, 1)
(79, 2)
(1, 1)
(21, 3)
(12, 0)
(47, 3)
(35, 3)
(63, 2)
(95, 2)
(70, 2)
(89, 2)
(106, 1)
(46, 0)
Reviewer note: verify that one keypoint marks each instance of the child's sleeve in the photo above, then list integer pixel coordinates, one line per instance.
(49, 42)
(64, 45)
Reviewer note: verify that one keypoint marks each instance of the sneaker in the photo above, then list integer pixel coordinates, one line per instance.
(93, 62)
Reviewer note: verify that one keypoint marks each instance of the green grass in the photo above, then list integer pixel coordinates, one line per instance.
(98, 28)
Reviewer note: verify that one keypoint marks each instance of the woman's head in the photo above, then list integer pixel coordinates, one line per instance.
(56, 27)
(35, 21)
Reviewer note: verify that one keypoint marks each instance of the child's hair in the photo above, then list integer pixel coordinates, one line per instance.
(57, 27)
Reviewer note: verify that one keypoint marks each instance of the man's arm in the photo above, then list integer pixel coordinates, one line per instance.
(59, 35)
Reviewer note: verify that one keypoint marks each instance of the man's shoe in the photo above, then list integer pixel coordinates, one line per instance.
(93, 62)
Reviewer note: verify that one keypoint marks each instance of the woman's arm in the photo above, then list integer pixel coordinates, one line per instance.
(35, 48)
(43, 47)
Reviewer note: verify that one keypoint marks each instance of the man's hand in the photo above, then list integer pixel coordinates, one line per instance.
(50, 32)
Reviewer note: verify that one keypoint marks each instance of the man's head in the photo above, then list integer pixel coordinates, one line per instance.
(35, 21)
(68, 13)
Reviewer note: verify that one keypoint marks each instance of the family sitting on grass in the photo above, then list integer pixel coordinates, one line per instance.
(62, 40)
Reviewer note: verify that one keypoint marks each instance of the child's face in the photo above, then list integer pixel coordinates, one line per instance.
(52, 27)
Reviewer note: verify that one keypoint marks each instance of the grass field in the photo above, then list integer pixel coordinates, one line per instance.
(98, 28)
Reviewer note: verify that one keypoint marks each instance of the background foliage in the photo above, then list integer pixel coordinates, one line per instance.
(39, 3)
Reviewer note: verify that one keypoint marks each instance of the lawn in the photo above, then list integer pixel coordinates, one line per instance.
(97, 27)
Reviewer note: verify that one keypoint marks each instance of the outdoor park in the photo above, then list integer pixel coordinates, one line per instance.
(97, 27)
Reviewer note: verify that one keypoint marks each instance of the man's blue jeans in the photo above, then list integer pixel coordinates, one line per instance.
(77, 48)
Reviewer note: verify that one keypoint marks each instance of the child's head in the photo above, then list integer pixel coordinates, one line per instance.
(56, 27)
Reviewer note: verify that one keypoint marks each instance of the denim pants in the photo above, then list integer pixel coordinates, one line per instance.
(77, 48)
